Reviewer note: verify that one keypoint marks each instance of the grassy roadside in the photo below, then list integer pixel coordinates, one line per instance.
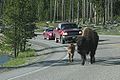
(23, 58)
(41, 25)
(113, 29)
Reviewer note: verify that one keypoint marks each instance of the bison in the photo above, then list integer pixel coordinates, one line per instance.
(87, 44)
(70, 51)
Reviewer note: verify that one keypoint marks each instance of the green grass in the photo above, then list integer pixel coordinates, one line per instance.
(105, 32)
(22, 58)
(14, 62)
(27, 53)
(42, 24)
(114, 30)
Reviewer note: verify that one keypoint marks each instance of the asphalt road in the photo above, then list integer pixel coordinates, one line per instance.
(53, 64)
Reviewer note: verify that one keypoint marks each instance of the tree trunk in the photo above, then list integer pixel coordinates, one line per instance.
(90, 19)
(57, 15)
(72, 10)
(106, 11)
(51, 11)
(70, 13)
(83, 10)
(104, 18)
(63, 10)
(108, 7)
(21, 46)
(24, 45)
(15, 42)
(55, 7)
(111, 10)
(38, 10)
(1, 7)
(95, 17)
(78, 11)
(87, 9)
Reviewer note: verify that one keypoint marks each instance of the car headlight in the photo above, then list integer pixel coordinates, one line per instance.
(50, 34)
(80, 32)
(65, 33)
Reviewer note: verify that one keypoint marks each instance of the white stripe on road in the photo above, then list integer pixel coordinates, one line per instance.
(35, 70)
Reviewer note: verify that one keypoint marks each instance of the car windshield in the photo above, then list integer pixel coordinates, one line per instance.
(68, 26)
(48, 30)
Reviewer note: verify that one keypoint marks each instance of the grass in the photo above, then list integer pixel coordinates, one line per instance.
(42, 24)
(22, 58)
(114, 30)
(15, 62)
(27, 53)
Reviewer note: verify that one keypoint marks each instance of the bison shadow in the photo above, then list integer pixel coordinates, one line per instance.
(103, 61)
(44, 64)
(108, 61)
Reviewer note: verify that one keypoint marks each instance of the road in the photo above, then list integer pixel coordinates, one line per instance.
(53, 64)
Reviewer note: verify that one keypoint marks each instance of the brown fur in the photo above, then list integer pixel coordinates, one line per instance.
(70, 51)
(88, 33)
(87, 43)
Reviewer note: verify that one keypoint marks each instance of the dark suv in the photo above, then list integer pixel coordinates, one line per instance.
(66, 32)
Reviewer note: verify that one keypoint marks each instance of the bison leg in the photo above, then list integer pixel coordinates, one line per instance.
(83, 57)
(72, 57)
(69, 60)
(92, 57)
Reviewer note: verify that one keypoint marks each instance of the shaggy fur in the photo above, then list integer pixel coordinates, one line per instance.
(87, 44)
(70, 51)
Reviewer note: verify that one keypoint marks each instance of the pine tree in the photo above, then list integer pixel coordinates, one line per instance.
(19, 15)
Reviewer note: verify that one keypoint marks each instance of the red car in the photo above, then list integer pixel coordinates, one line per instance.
(48, 34)
(67, 32)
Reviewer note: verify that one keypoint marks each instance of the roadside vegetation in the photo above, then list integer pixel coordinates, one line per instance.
(109, 30)
(22, 59)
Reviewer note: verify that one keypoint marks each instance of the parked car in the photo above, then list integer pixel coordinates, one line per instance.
(66, 32)
(48, 34)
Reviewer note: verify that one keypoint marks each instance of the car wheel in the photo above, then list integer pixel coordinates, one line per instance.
(44, 38)
(48, 38)
(56, 40)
